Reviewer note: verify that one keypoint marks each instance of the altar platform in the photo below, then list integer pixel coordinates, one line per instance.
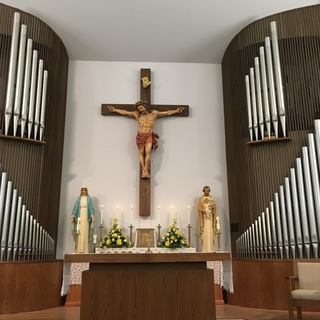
(78, 264)
(148, 284)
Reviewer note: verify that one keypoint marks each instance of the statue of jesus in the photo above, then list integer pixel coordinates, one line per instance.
(146, 139)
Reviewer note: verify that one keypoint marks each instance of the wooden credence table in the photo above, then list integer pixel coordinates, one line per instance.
(147, 286)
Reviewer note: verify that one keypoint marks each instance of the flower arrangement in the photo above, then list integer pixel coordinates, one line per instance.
(173, 238)
(115, 238)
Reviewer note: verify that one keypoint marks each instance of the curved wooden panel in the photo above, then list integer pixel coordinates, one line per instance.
(255, 172)
(35, 169)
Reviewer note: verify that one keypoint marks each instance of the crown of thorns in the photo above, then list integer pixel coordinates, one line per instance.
(142, 103)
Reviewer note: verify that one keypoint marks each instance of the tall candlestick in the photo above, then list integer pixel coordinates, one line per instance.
(78, 224)
(131, 207)
(101, 214)
(218, 224)
(158, 218)
(188, 214)
(117, 214)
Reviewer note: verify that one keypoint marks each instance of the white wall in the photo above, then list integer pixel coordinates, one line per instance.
(100, 151)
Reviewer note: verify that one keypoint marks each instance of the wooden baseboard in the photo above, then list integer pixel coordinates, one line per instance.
(218, 294)
(74, 296)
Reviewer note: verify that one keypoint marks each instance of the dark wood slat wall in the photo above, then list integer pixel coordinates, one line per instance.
(22, 291)
(35, 169)
(256, 172)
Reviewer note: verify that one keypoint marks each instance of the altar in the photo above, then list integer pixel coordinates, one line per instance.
(158, 285)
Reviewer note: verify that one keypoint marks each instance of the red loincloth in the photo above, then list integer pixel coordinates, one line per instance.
(143, 138)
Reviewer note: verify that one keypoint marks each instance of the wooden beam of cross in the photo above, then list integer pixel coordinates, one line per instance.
(145, 95)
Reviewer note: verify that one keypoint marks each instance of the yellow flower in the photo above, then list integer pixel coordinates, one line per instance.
(118, 227)
(167, 243)
(174, 219)
(170, 226)
(119, 242)
(108, 242)
(178, 233)
(115, 235)
(182, 241)
(172, 237)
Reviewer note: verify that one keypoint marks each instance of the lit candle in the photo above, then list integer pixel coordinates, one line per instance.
(101, 214)
(118, 215)
(131, 207)
(159, 214)
(218, 224)
(188, 214)
(172, 213)
(78, 224)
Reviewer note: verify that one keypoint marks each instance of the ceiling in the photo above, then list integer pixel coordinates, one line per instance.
(179, 31)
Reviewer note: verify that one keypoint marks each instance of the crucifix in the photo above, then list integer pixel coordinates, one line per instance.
(146, 139)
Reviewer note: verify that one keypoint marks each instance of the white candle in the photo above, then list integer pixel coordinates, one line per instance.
(159, 214)
(218, 224)
(95, 239)
(131, 207)
(118, 215)
(172, 213)
(101, 214)
(78, 224)
(188, 214)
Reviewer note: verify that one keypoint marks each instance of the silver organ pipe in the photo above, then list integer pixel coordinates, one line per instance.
(273, 230)
(13, 217)
(317, 139)
(253, 103)
(284, 224)
(290, 226)
(278, 225)
(6, 221)
(291, 234)
(21, 236)
(278, 78)
(254, 243)
(256, 228)
(259, 96)
(12, 70)
(38, 99)
(43, 102)
(265, 97)
(17, 229)
(26, 88)
(303, 208)
(273, 105)
(310, 201)
(267, 94)
(264, 234)
(32, 91)
(315, 180)
(296, 215)
(260, 237)
(3, 189)
(247, 81)
(19, 78)
(27, 85)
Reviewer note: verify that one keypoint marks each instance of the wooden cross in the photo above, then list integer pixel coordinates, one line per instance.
(145, 94)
